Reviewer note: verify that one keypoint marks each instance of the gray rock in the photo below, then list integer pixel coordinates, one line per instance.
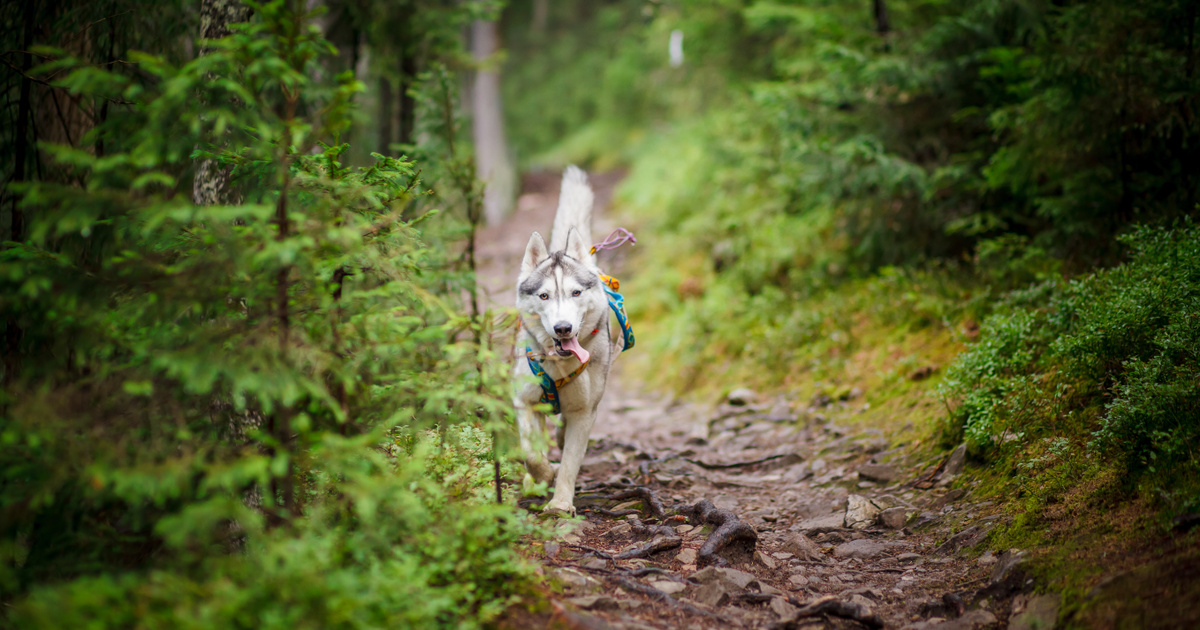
(552, 548)
(893, 518)
(764, 559)
(860, 512)
(594, 563)
(966, 538)
(958, 459)
(686, 556)
(908, 557)
(799, 580)
(971, 620)
(863, 548)
(821, 524)
(712, 594)
(669, 587)
(619, 529)
(785, 611)
(574, 579)
(740, 579)
(1040, 613)
(763, 587)
(742, 396)
(1009, 567)
(804, 548)
(884, 473)
(595, 602)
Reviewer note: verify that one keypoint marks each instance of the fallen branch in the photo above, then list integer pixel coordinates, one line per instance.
(729, 528)
(709, 466)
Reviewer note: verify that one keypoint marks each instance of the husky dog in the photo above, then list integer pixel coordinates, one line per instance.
(564, 312)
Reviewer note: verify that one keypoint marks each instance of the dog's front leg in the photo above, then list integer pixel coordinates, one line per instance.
(531, 426)
(578, 428)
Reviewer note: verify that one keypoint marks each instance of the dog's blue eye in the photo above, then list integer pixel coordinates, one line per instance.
(545, 296)
(576, 293)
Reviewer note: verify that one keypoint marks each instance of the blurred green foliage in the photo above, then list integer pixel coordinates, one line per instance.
(810, 171)
(268, 414)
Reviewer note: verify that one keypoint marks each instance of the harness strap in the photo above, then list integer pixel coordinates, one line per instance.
(550, 386)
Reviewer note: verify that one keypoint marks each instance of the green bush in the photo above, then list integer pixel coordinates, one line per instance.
(1120, 346)
(267, 412)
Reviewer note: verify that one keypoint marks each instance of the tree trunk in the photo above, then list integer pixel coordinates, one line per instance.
(408, 74)
(12, 327)
(881, 18)
(211, 184)
(492, 163)
(386, 111)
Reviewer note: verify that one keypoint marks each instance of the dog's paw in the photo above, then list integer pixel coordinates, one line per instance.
(559, 508)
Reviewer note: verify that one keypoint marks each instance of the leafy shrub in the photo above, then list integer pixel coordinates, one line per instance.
(1119, 346)
(246, 414)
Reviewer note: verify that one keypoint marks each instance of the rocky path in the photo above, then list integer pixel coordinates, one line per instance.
(820, 522)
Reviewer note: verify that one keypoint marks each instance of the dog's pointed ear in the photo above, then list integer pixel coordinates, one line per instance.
(576, 248)
(535, 253)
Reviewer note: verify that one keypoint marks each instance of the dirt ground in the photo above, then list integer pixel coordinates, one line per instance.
(847, 530)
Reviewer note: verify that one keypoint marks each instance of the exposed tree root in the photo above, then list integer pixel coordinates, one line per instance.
(640, 529)
(637, 492)
(828, 605)
(652, 547)
(752, 462)
(729, 529)
(634, 586)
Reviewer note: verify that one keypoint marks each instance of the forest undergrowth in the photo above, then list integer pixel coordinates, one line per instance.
(242, 386)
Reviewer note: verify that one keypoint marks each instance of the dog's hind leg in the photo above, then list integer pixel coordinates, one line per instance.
(578, 428)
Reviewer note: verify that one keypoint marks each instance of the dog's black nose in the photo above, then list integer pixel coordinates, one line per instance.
(562, 329)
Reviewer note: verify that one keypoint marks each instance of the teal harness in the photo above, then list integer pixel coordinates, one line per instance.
(616, 302)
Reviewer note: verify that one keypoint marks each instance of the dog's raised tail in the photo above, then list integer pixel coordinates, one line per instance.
(574, 210)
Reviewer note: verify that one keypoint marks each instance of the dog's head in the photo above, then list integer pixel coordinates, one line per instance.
(559, 295)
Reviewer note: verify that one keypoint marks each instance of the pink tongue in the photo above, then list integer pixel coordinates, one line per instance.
(572, 345)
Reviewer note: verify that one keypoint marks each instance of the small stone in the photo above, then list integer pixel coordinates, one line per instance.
(552, 549)
(683, 529)
(987, 559)
(595, 602)
(798, 580)
(686, 556)
(821, 524)
(860, 512)
(763, 587)
(883, 473)
(862, 548)
(620, 529)
(783, 555)
(669, 587)
(742, 396)
(893, 518)
(803, 547)
(594, 563)
(908, 557)
(574, 579)
(740, 579)
(958, 459)
(712, 594)
(1041, 613)
(1009, 565)
(764, 559)
(785, 611)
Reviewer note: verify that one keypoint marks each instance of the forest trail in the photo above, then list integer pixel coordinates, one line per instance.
(847, 524)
